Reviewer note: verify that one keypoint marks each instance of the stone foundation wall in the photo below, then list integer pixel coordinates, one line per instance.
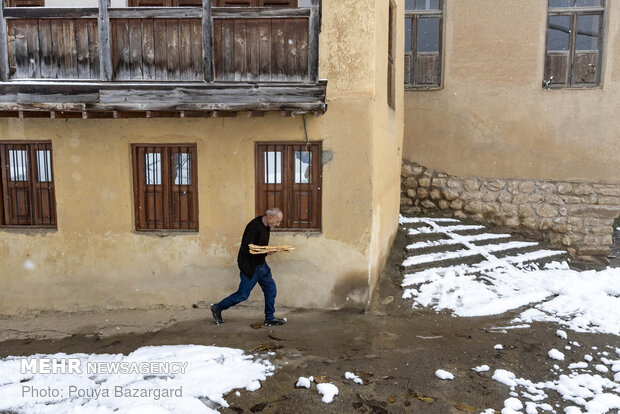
(576, 216)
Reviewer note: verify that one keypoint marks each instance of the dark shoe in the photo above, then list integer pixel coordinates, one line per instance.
(217, 314)
(275, 321)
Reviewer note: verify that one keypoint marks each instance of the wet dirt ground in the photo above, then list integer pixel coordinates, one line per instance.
(395, 349)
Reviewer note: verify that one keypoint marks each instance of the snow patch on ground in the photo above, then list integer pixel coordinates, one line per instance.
(210, 373)
(328, 391)
(353, 377)
(582, 301)
(555, 354)
(444, 375)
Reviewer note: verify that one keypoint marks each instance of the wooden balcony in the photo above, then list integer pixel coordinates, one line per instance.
(181, 60)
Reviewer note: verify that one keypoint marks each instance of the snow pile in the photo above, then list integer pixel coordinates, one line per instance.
(201, 373)
(498, 346)
(585, 388)
(353, 377)
(304, 382)
(582, 301)
(444, 375)
(481, 368)
(328, 391)
(555, 354)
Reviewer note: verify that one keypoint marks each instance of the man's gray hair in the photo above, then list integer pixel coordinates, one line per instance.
(273, 212)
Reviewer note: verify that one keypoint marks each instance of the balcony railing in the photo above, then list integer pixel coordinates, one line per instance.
(160, 59)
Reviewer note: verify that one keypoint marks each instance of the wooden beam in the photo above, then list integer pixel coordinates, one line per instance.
(256, 114)
(51, 12)
(208, 58)
(105, 55)
(4, 46)
(314, 28)
(259, 12)
(156, 13)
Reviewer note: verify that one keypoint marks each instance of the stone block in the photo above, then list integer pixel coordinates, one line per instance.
(589, 199)
(435, 194)
(428, 204)
(406, 169)
(450, 194)
(405, 201)
(536, 198)
(564, 188)
(554, 199)
(511, 222)
(424, 182)
(460, 215)
(547, 210)
(567, 241)
(490, 209)
(527, 187)
(471, 195)
(612, 201)
(559, 228)
(509, 209)
(530, 223)
(410, 182)
(607, 190)
(505, 198)
(521, 198)
(412, 193)
(568, 199)
(422, 193)
(453, 183)
(428, 173)
(472, 184)
(548, 188)
(601, 230)
(444, 205)
(563, 211)
(594, 211)
(575, 221)
(457, 204)
(525, 210)
(494, 185)
(489, 196)
(583, 189)
(438, 182)
(513, 187)
(545, 224)
(417, 170)
(473, 207)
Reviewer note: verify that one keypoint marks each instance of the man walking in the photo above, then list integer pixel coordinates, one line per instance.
(254, 269)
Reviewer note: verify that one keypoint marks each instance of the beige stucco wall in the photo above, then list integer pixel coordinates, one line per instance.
(493, 119)
(95, 259)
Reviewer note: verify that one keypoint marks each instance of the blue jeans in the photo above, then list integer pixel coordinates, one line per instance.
(262, 276)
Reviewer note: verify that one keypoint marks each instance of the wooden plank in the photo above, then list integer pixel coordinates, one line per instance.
(156, 13)
(427, 69)
(135, 49)
(228, 50)
(314, 28)
(556, 68)
(259, 12)
(197, 63)
(32, 41)
(49, 66)
(278, 47)
(584, 68)
(19, 49)
(4, 47)
(160, 49)
(290, 62)
(148, 50)
(69, 55)
(264, 46)
(93, 49)
(172, 36)
(105, 57)
(121, 57)
(253, 50)
(50, 12)
(301, 40)
(185, 50)
(82, 49)
(240, 71)
(208, 47)
(217, 50)
(57, 48)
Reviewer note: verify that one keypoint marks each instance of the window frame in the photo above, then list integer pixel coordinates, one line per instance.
(287, 185)
(216, 3)
(391, 75)
(170, 192)
(36, 191)
(26, 3)
(573, 12)
(412, 57)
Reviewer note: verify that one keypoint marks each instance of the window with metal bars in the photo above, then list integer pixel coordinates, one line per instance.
(216, 3)
(423, 43)
(27, 184)
(574, 43)
(165, 195)
(288, 176)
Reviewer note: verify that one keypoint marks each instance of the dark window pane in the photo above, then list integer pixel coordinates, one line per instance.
(588, 3)
(18, 165)
(408, 35)
(182, 169)
(561, 3)
(587, 32)
(44, 166)
(409, 4)
(427, 4)
(559, 33)
(153, 168)
(428, 34)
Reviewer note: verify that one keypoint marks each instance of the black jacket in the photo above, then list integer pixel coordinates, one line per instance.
(255, 233)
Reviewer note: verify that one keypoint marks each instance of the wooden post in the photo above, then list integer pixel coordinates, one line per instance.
(4, 47)
(314, 28)
(105, 56)
(207, 41)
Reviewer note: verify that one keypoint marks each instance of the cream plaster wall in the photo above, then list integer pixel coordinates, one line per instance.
(95, 259)
(493, 119)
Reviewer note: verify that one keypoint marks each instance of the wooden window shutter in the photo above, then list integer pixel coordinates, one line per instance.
(288, 176)
(27, 185)
(26, 3)
(165, 187)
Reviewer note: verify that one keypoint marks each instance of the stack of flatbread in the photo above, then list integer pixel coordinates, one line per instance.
(254, 249)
